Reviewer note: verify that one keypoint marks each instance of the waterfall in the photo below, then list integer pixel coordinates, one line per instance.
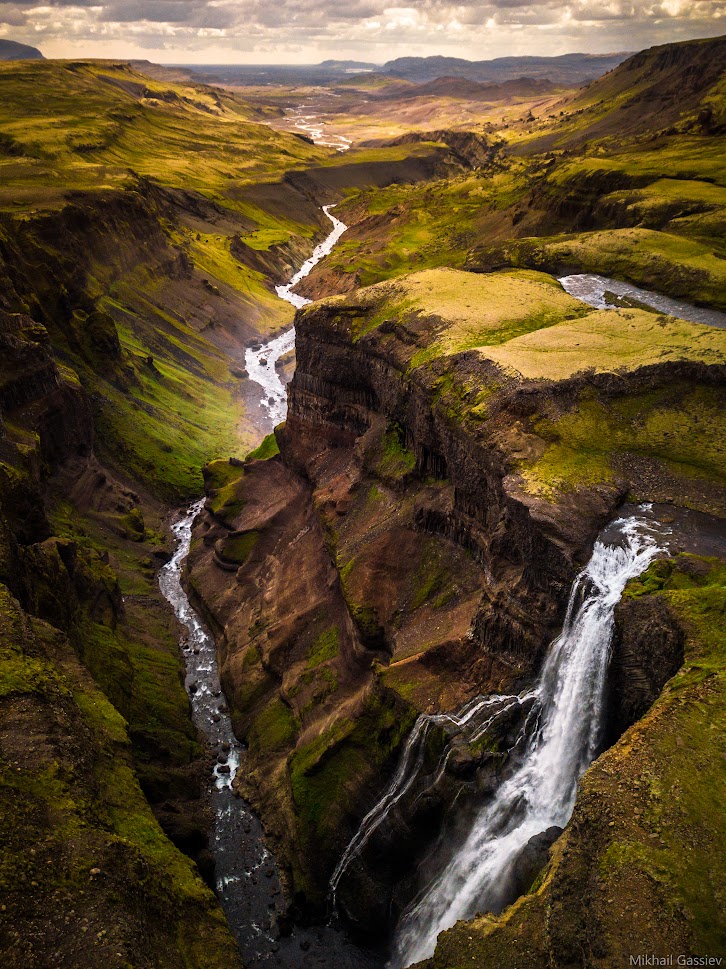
(563, 718)
(541, 792)
(473, 720)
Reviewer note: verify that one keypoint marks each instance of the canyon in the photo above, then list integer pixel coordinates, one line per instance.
(421, 459)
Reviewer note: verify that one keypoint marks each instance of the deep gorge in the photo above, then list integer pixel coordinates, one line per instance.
(393, 511)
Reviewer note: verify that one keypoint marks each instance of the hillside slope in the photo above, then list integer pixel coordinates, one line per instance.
(677, 85)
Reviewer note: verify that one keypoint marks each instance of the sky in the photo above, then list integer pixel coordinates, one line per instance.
(308, 31)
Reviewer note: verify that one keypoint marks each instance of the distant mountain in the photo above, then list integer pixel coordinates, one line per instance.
(464, 89)
(11, 50)
(348, 66)
(566, 69)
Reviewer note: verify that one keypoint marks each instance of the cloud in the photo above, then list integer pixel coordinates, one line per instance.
(307, 30)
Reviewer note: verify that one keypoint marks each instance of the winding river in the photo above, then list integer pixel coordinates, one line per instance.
(247, 879)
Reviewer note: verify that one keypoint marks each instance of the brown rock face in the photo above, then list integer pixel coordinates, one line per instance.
(384, 564)
(647, 652)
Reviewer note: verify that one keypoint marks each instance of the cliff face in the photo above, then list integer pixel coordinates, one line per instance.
(414, 542)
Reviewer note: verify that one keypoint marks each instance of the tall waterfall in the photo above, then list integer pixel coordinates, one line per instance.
(563, 738)
(541, 792)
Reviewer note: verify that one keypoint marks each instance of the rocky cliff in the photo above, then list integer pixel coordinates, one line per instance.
(413, 543)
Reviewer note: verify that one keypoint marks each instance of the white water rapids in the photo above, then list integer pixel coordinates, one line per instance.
(260, 362)
(563, 740)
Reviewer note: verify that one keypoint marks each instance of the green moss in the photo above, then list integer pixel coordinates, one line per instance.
(687, 779)
(237, 548)
(431, 580)
(324, 683)
(133, 523)
(219, 474)
(327, 773)
(225, 484)
(678, 425)
(268, 449)
(325, 647)
(396, 459)
(186, 137)
(275, 728)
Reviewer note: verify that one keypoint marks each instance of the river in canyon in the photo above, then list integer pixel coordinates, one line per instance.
(247, 880)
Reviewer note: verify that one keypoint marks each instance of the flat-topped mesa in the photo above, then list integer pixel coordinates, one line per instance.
(477, 373)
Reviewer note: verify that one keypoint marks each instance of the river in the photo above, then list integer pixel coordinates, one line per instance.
(610, 294)
(304, 119)
(247, 879)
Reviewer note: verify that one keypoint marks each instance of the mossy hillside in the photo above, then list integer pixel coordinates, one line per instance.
(131, 651)
(267, 449)
(78, 834)
(212, 254)
(163, 396)
(114, 119)
(681, 206)
(666, 90)
(429, 225)
(681, 781)
(664, 438)
(165, 427)
(224, 481)
(452, 311)
(638, 867)
(678, 426)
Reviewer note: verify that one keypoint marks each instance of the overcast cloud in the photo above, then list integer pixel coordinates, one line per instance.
(307, 31)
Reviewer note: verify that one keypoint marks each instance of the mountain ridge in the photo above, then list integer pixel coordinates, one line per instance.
(11, 50)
